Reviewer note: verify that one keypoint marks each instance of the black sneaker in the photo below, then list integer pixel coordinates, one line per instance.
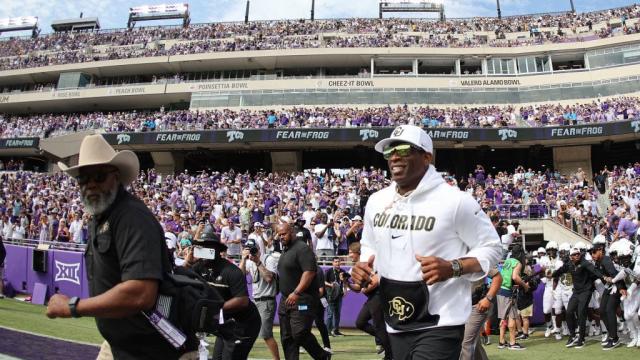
(338, 333)
(516, 346)
(612, 344)
(502, 345)
(572, 341)
(523, 337)
(519, 335)
(579, 344)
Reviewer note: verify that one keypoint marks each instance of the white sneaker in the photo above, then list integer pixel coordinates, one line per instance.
(558, 336)
(632, 343)
(548, 332)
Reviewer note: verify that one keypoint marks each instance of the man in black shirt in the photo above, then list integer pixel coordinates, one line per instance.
(305, 233)
(318, 282)
(297, 269)
(242, 319)
(125, 257)
(583, 274)
(372, 308)
(609, 302)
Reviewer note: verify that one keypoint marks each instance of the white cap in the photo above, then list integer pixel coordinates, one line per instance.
(171, 239)
(599, 239)
(574, 250)
(552, 245)
(257, 224)
(410, 134)
(541, 250)
(357, 218)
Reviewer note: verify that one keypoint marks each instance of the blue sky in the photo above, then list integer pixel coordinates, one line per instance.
(114, 13)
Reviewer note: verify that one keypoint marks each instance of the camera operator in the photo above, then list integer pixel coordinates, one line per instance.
(242, 320)
(336, 285)
(263, 270)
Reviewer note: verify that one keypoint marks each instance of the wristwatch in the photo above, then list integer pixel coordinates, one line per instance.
(489, 297)
(73, 303)
(457, 268)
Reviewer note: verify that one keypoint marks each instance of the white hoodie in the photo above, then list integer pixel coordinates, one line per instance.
(447, 223)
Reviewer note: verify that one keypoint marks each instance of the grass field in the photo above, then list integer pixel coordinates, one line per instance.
(27, 317)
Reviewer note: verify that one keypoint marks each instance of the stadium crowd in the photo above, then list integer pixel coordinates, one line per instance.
(64, 48)
(47, 125)
(47, 207)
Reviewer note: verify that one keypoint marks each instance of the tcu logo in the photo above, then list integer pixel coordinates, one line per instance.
(368, 134)
(123, 138)
(636, 126)
(68, 272)
(235, 135)
(400, 307)
(507, 134)
(397, 132)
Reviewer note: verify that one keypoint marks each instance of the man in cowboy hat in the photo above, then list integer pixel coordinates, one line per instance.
(242, 319)
(126, 257)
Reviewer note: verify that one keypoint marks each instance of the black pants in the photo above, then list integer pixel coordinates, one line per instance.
(322, 327)
(608, 306)
(238, 345)
(577, 310)
(295, 331)
(442, 343)
(372, 310)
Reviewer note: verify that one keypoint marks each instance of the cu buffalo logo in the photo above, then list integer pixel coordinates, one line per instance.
(636, 126)
(368, 134)
(68, 272)
(235, 135)
(123, 138)
(401, 308)
(506, 134)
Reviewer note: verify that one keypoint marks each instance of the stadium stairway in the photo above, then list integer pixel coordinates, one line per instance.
(551, 230)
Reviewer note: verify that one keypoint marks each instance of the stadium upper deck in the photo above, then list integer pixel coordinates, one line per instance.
(65, 48)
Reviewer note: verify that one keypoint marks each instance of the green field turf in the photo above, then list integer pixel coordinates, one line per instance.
(27, 317)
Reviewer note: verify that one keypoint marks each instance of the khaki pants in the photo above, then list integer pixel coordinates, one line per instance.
(105, 353)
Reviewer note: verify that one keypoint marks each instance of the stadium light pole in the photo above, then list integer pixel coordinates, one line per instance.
(246, 14)
(313, 5)
(499, 11)
(573, 8)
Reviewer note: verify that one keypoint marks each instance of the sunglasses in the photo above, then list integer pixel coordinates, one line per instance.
(402, 150)
(97, 177)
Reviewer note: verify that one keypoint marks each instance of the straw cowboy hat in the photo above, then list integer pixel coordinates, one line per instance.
(95, 150)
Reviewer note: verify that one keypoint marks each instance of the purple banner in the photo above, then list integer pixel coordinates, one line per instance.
(15, 267)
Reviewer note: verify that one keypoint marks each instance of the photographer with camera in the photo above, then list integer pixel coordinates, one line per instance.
(336, 285)
(240, 315)
(263, 269)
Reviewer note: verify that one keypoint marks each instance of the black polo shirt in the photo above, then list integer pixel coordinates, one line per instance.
(295, 260)
(230, 282)
(127, 243)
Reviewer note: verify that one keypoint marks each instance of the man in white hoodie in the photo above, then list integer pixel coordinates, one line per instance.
(427, 241)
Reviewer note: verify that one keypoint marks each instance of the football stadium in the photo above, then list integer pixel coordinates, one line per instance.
(435, 180)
